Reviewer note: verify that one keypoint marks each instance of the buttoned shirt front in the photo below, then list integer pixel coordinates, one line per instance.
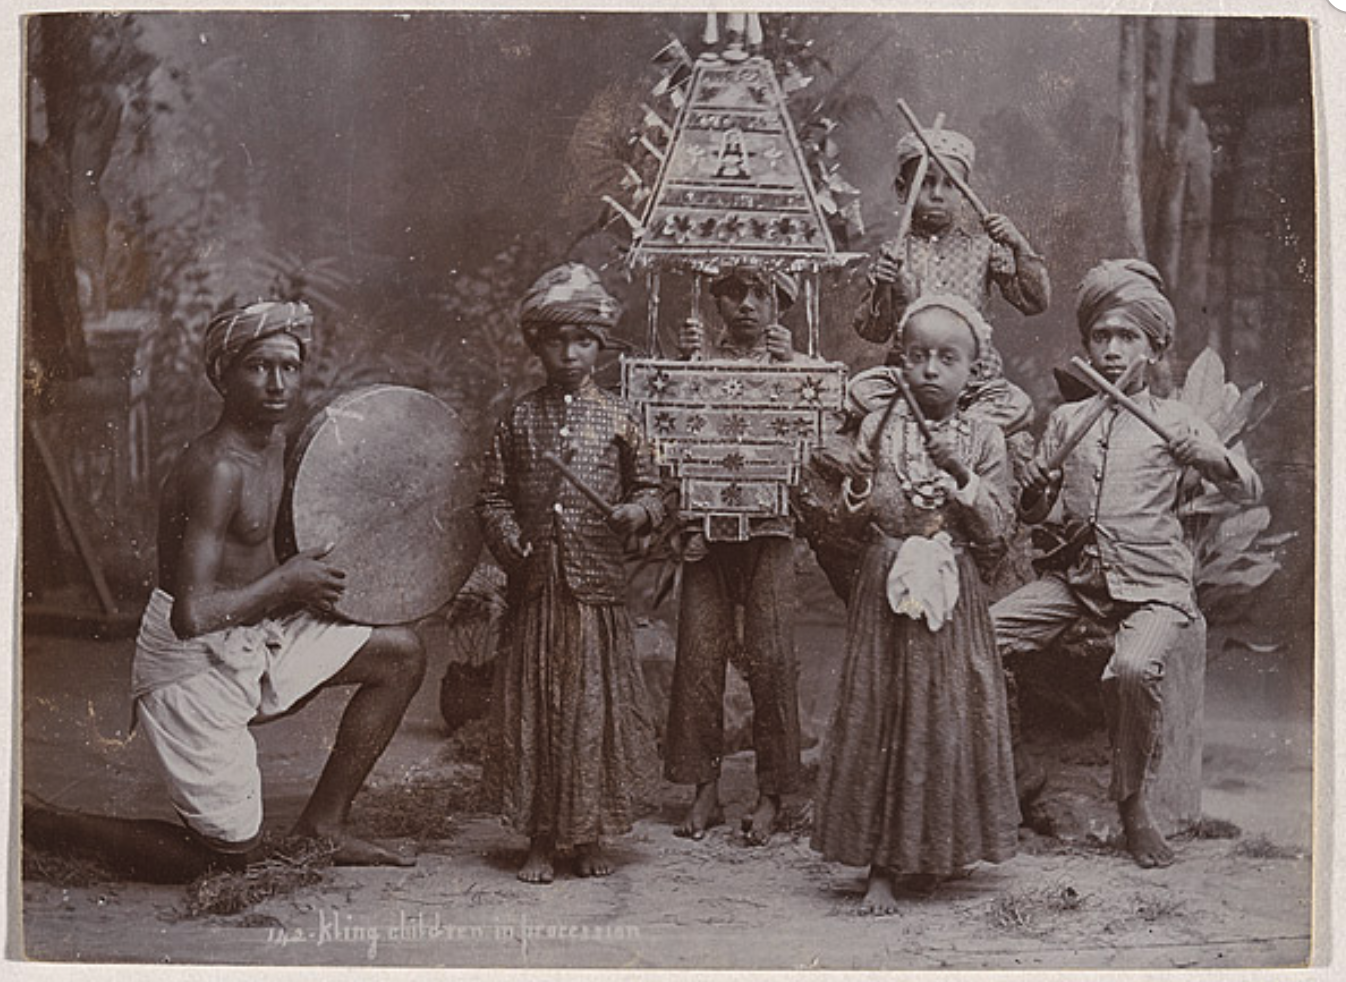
(525, 498)
(1124, 483)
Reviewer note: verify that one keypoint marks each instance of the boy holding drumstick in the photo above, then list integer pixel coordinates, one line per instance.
(1128, 565)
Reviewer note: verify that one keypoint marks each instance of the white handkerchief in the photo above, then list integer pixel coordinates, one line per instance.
(923, 580)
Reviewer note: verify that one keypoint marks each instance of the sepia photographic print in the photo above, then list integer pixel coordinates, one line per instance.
(797, 490)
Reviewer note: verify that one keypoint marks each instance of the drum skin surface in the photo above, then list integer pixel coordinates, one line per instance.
(388, 475)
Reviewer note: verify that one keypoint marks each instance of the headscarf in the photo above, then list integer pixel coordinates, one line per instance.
(786, 286)
(571, 293)
(231, 332)
(948, 144)
(1133, 286)
(981, 331)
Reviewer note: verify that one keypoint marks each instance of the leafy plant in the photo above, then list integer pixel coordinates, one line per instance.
(1233, 550)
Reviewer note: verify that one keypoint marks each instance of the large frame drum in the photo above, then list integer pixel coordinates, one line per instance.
(388, 474)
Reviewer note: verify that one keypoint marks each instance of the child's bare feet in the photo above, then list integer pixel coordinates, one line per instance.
(592, 860)
(879, 898)
(1143, 840)
(354, 851)
(760, 823)
(537, 868)
(704, 814)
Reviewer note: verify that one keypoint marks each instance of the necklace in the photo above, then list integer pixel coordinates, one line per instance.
(925, 485)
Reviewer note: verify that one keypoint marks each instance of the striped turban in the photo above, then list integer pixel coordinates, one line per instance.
(231, 332)
(1132, 286)
(948, 144)
(571, 293)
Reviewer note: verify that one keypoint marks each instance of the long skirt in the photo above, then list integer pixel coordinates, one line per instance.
(573, 752)
(917, 774)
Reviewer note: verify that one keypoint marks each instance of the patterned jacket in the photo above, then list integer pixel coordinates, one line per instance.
(525, 498)
(964, 264)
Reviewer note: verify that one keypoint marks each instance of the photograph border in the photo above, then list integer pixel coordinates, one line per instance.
(1328, 43)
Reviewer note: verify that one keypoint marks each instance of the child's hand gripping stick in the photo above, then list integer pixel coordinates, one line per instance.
(610, 513)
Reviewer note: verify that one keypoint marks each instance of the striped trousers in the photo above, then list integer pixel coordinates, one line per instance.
(1132, 683)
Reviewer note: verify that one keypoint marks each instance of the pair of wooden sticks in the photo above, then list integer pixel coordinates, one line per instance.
(1033, 508)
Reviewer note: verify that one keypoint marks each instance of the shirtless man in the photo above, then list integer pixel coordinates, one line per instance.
(233, 637)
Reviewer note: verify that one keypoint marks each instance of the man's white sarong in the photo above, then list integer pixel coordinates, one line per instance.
(194, 699)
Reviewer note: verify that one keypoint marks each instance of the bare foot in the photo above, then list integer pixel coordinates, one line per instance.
(353, 851)
(537, 868)
(704, 814)
(592, 860)
(760, 823)
(1147, 846)
(879, 899)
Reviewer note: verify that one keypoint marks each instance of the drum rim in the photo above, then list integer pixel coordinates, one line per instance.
(315, 424)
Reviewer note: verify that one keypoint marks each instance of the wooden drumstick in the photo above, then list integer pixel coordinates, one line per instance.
(916, 414)
(599, 501)
(1121, 398)
(1033, 508)
(1091, 416)
(958, 182)
(898, 251)
(913, 192)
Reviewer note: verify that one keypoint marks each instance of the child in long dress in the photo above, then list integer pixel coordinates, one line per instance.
(917, 779)
(573, 750)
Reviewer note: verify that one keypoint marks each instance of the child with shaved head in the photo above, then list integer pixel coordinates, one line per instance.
(917, 779)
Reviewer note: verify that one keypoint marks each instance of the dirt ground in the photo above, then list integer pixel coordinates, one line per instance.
(1227, 902)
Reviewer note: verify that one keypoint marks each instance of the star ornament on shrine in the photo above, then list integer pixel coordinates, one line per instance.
(660, 382)
(734, 426)
(678, 227)
(664, 423)
(784, 425)
(733, 461)
(811, 390)
(696, 423)
(732, 494)
(733, 387)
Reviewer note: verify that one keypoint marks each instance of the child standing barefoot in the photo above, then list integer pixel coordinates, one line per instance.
(917, 778)
(573, 746)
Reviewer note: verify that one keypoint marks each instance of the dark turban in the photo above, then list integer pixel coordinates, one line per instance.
(1132, 286)
(231, 332)
(569, 294)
